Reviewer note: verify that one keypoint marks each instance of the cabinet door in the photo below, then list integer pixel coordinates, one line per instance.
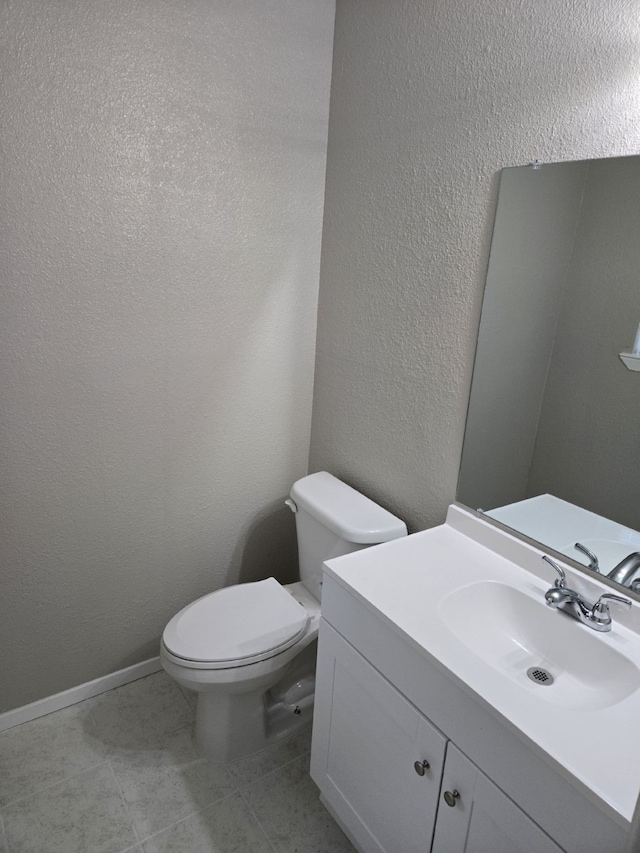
(482, 819)
(366, 739)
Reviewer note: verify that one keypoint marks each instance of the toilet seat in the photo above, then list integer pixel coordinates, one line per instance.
(236, 626)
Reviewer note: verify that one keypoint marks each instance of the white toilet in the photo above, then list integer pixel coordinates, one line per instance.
(249, 650)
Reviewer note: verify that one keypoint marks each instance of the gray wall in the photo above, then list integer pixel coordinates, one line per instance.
(162, 190)
(589, 442)
(429, 101)
(532, 243)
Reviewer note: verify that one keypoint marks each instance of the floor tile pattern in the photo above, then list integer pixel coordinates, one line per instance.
(119, 773)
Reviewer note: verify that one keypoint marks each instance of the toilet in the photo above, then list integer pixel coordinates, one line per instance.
(249, 650)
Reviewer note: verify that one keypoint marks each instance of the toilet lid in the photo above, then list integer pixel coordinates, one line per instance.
(236, 623)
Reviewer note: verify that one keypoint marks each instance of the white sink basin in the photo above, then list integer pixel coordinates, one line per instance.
(513, 632)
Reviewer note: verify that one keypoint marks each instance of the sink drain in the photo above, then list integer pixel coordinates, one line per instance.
(540, 675)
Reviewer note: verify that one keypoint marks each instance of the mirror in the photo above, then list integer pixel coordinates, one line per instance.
(552, 441)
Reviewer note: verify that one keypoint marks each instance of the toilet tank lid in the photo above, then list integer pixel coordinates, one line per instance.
(345, 511)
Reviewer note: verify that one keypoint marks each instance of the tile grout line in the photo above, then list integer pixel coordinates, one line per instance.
(257, 820)
(115, 778)
(109, 752)
(55, 784)
(126, 806)
(237, 790)
(188, 726)
(133, 849)
(96, 728)
(279, 767)
(103, 760)
(186, 699)
(270, 842)
(3, 836)
(194, 812)
(181, 820)
(109, 759)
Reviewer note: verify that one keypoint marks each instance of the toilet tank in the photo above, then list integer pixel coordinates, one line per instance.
(333, 519)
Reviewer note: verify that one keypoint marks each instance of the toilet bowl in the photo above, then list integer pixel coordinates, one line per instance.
(248, 651)
(234, 716)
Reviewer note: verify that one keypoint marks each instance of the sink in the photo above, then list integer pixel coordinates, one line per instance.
(468, 598)
(513, 632)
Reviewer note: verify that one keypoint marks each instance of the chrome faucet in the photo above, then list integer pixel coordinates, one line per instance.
(595, 616)
(625, 570)
(623, 573)
(594, 565)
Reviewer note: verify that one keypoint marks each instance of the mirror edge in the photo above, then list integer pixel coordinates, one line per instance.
(551, 552)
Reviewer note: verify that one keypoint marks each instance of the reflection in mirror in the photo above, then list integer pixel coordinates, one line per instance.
(552, 442)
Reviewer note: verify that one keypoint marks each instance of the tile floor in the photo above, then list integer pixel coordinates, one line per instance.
(119, 773)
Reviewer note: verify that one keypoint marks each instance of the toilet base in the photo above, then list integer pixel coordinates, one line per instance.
(234, 725)
(227, 731)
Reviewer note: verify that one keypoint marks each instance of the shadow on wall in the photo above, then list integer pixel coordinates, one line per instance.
(269, 549)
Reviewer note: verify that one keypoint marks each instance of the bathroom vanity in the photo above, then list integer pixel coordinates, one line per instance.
(428, 733)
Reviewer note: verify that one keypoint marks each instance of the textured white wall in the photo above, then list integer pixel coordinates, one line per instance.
(430, 99)
(162, 189)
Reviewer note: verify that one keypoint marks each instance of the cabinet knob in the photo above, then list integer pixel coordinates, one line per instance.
(421, 767)
(450, 797)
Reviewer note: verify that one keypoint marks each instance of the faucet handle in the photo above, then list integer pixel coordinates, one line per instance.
(601, 605)
(594, 565)
(600, 612)
(560, 582)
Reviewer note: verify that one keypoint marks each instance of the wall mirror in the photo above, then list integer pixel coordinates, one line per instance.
(552, 441)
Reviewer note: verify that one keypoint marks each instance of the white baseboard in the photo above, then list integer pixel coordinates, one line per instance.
(77, 694)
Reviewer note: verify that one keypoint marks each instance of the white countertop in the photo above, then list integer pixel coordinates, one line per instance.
(404, 582)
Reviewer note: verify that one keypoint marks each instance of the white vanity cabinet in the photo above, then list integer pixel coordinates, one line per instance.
(377, 760)
(381, 767)
(481, 818)
(385, 703)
